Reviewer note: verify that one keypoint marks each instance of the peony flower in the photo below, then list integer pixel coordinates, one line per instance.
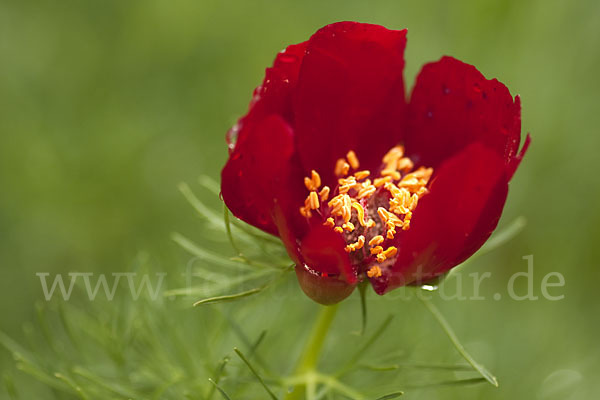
(361, 183)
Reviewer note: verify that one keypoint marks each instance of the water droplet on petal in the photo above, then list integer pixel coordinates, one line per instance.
(430, 288)
(232, 136)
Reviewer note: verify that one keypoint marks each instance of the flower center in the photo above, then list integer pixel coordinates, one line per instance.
(368, 213)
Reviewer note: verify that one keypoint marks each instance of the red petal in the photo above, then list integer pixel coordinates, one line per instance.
(257, 170)
(453, 105)
(273, 96)
(323, 252)
(350, 95)
(453, 221)
(515, 162)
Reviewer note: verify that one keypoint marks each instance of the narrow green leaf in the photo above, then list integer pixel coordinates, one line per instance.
(264, 385)
(209, 215)
(502, 236)
(368, 343)
(199, 252)
(394, 367)
(9, 385)
(210, 184)
(218, 374)
(454, 339)
(460, 382)
(225, 396)
(228, 230)
(229, 297)
(72, 384)
(363, 307)
(391, 396)
(105, 383)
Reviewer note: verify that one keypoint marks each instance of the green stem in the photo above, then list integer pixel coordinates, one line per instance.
(312, 350)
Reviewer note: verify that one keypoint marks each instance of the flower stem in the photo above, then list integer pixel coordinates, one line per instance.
(312, 350)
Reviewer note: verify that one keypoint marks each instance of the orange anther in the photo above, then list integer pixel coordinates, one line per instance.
(374, 272)
(353, 160)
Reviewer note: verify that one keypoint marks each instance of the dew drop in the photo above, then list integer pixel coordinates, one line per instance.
(429, 288)
(445, 89)
(232, 136)
(429, 114)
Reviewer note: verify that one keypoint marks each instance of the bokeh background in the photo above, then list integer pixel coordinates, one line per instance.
(105, 106)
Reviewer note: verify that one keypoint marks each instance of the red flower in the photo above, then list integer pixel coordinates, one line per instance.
(358, 182)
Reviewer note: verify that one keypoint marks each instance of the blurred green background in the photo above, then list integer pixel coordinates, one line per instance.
(105, 106)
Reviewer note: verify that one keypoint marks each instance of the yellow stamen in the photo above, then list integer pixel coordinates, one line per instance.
(341, 168)
(329, 222)
(316, 178)
(390, 233)
(381, 181)
(395, 175)
(376, 250)
(377, 240)
(324, 193)
(405, 164)
(388, 253)
(366, 190)
(314, 182)
(305, 212)
(360, 211)
(362, 174)
(352, 159)
(405, 185)
(356, 246)
(374, 272)
(313, 200)
(383, 214)
(346, 184)
(393, 155)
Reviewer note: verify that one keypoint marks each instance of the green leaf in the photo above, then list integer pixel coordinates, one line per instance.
(460, 382)
(206, 255)
(225, 396)
(72, 384)
(256, 375)
(229, 297)
(368, 343)
(391, 396)
(501, 237)
(394, 367)
(459, 347)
